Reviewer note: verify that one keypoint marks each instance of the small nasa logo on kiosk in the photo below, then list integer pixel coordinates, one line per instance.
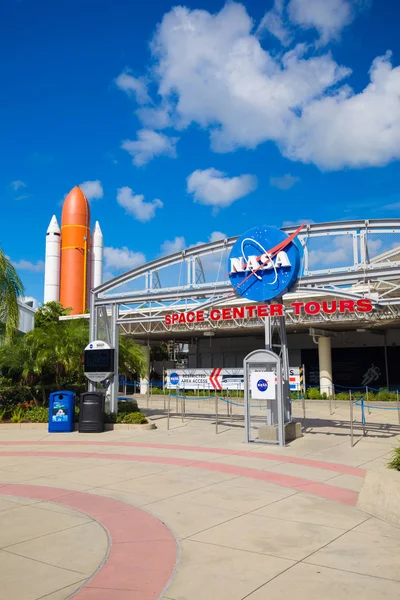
(262, 385)
(264, 263)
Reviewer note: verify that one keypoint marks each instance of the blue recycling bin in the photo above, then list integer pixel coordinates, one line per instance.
(62, 412)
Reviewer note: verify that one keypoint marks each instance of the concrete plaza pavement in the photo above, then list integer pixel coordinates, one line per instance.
(187, 514)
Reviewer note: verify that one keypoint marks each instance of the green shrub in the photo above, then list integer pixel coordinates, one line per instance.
(127, 407)
(395, 462)
(342, 396)
(11, 397)
(156, 391)
(136, 418)
(110, 418)
(18, 415)
(3, 414)
(384, 395)
(313, 393)
(37, 414)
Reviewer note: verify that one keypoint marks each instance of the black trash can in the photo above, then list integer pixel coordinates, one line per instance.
(91, 412)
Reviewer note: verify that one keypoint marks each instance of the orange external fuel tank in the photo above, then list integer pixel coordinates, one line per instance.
(75, 248)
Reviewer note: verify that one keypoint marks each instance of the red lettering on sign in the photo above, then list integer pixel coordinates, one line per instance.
(200, 316)
(312, 308)
(346, 305)
(167, 320)
(329, 308)
(182, 318)
(262, 311)
(364, 305)
(215, 314)
(238, 312)
(190, 317)
(297, 307)
(226, 314)
(250, 311)
(175, 318)
(276, 309)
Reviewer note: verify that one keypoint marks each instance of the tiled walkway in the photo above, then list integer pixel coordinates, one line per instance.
(255, 523)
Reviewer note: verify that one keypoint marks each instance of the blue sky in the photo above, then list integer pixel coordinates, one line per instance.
(194, 122)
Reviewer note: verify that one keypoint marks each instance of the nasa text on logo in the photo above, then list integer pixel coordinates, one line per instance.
(174, 378)
(262, 385)
(264, 263)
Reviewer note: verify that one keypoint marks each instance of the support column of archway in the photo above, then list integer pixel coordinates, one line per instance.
(325, 365)
(145, 379)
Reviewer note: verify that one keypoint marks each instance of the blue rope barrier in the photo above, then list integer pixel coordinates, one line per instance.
(378, 407)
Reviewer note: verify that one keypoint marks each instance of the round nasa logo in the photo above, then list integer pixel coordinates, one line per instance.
(264, 263)
(174, 378)
(90, 346)
(262, 385)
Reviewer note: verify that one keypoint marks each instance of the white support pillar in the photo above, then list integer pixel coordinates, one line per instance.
(325, 365)
(145, 380)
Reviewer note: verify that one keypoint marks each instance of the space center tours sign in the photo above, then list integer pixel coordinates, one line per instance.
(263, 265)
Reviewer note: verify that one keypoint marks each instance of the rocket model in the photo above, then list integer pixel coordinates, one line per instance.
(74, 259)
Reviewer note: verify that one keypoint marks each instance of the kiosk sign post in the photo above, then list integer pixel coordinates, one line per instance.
(99, 361)
(263, 265)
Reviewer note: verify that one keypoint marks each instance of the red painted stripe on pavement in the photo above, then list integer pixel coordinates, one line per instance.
(298, 483)
(307, 462)
(143, 552)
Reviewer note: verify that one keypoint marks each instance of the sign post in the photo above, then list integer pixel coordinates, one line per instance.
(264, 264)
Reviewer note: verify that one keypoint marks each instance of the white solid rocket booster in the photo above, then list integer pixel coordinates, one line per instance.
(97, 246)
(52, 264)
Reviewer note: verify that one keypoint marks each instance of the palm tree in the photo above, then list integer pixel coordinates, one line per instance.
(10, 289)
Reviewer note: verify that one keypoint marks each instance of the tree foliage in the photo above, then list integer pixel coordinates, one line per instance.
(10, 289)
(51, 356)
(50, 313)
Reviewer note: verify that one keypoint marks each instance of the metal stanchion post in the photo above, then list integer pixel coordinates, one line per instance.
(330, 404)
(176, 400)
(363, 416)
(351, 419)
(169, 409)
(216, 412)
(303, 403)
(164, 395)
(366, 393)
(398, 405)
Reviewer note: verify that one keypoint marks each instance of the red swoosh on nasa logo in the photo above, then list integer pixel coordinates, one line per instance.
(273, 252)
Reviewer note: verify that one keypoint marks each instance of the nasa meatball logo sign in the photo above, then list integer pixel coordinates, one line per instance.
(262, 385)
(174, 378)
(264, 263)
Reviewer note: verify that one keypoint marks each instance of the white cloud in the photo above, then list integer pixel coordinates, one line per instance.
(328, 17)
(17, 185)
(133, 85)
(154, 118)
(93, 190)
(122, 259)
(273, 22)
(171, 246)
(214, 188)
(148, 145)
(135, 205)
(211, 70)
(338, 251)
(347, 129)
(296, 222)
(285, 182)
(27, 265)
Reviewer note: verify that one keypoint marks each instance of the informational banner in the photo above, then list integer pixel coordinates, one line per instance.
(263, 385)
(216, 379)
